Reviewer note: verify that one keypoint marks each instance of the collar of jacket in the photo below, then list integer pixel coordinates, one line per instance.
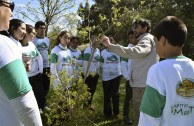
(141, 36)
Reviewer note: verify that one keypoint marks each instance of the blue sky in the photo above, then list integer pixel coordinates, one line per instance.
(23, 2)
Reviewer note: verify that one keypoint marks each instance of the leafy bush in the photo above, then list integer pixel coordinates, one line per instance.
(66, 102)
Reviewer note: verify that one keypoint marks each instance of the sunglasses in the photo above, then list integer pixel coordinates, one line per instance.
(10, 5)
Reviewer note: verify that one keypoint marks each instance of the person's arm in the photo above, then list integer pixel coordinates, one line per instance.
(40, 61)
(101, 60)
(79, 60)
(146, 120)
(86, 58)
(124, 68)
(53, 66)
(141, 50)
(154, 99)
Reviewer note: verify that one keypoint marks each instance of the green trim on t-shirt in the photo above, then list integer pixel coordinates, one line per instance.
(86, 57)
(80, 57)
(37, 52)
(14, 80)
(101, 59)
(124, 59)
(54, 58)
(153, 102)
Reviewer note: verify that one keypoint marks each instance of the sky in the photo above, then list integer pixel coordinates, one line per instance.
(22, 3)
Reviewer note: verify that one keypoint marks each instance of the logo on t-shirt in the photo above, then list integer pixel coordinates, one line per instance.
(42, 45)
(96, 58)
(67, 59)
(185, 88)
(112, 58)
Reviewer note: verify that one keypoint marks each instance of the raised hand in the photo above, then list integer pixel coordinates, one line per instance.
(105, 41)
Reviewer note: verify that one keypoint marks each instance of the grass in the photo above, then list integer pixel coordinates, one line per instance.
(97, 118)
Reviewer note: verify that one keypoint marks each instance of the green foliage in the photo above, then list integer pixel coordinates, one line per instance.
(50, 11)
(66, 102)
(53, 36)
(114, 17)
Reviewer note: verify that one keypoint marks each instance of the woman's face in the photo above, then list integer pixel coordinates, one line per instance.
(30, 36)
(65, 39)
(20, 32)
(5, 14)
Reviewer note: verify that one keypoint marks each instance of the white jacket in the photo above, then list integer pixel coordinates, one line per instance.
(143, 55)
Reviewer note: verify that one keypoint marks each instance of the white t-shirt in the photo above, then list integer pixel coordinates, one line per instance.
(36, 62)
(76, 54)
(77, 57)
(61, 60)
(169, 95)
(13, 79)
(95, 64)
(125, 66)
(111, 67)
(17, 43)
(43, 44)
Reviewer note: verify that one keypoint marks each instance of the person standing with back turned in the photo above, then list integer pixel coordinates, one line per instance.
(169, 95)
(143, 56)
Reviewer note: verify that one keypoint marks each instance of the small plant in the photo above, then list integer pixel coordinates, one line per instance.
(66, 100)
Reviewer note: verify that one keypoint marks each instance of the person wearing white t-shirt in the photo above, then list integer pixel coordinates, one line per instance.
(125, 69)
(168, 99)
(30, 52)
(17, 31)
(17, 102)
(76, 55)
(94, 69)
(42, 43)
(111, 76)
(61, 59)
(143, 56)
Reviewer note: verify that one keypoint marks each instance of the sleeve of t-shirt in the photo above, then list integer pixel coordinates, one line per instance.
(124, 68)
(79, 60)
(53, 64)
(154, 99)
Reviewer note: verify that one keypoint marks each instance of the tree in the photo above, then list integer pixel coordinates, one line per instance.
(108, 17)
(118, 15)
(50, 11)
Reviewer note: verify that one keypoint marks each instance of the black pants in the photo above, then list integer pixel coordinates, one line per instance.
(91, 82)
(111, 90)
(128, 96)
(38, 89)
(46, 79)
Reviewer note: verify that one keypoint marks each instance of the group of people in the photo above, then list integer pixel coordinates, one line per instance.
(162, 91)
